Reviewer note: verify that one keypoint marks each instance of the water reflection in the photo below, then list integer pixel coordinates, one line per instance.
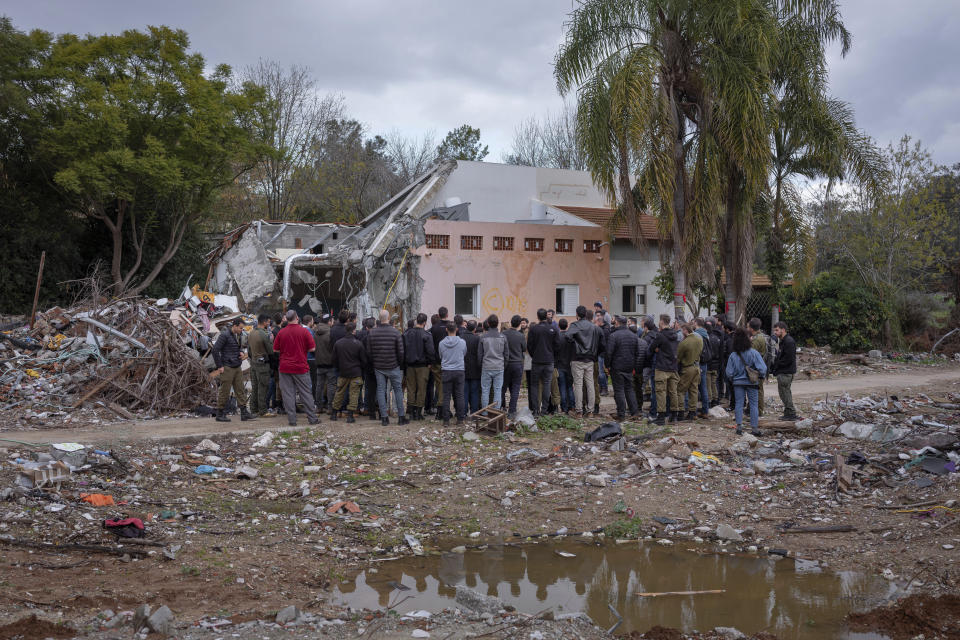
(761, 593)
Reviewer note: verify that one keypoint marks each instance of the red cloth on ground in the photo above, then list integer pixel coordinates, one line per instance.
(292, 343)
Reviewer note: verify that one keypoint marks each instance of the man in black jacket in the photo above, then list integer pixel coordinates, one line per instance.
(565, 375)
(326, 374)
(228, 355)
(621, 357)
(385, 350)
(785, 367)
(349, 358)
(438, 330)
(368, 394)
(471, 363)
(587, 341)
(645, 360)
(666, 377)
(543, 342)
(714, 367)
(419, 354)
(513, 370)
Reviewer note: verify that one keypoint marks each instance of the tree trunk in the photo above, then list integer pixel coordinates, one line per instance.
(679, 292)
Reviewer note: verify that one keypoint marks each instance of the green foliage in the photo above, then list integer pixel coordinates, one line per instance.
(463, 143)
(835, 310)
(624, 528)
(123, 141)
(549, 424)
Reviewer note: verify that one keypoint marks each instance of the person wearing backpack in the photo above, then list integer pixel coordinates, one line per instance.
(715, 335)
(784, 368)
(706, 355)
(758, 340)
(746, 371)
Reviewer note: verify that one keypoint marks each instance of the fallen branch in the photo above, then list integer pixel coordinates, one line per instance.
(93, 548)
(840, 528)
(657, 594)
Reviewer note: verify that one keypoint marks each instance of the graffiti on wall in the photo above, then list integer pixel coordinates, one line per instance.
(494, 301)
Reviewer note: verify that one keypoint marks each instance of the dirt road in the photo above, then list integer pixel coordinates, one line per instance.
(173, 429)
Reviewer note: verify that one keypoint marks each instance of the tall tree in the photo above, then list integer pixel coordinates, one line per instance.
(462, 143)
(550, 142)
(410, 156)
(687, 82)
(137, 138)
(348, 175)
(291, 120)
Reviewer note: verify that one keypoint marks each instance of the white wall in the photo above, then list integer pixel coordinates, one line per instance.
(640, 266)
(502, 192)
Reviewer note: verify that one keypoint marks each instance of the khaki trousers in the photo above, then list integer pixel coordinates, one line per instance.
(583, 372)
(351, 385)
(417, 385)
(666, 383)
(231, 378)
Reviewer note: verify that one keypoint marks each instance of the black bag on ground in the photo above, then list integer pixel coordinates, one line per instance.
(606, 430)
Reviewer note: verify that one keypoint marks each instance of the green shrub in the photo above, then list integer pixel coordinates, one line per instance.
(835, 310)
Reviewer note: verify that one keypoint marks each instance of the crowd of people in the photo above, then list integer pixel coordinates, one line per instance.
(456, 366)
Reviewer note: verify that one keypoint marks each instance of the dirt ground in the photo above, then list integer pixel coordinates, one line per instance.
(248, 548)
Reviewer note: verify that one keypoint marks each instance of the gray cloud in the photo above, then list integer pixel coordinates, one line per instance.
(419, 65)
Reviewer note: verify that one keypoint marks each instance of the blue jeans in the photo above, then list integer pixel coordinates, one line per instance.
(751, 392)
(395, 377)
(471, 388)
(704, 390)
(565, 380)
(601, 375)
(491, 380)
(653, 392)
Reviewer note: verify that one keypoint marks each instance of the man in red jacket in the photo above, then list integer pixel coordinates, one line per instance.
(292, 344)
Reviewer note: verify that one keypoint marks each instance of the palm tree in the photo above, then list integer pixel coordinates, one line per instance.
(814, 136)
(685, 85)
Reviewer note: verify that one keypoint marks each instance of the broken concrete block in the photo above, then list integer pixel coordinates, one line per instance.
(726, 532)
(288, 615)
(470, 436)
(207, 445)
(161, 621)
(718, 412)
(247, 471)
(140, 617)
(875, 353)
(477, 602)
(596, 480)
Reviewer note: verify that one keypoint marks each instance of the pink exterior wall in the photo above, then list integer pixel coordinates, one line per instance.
(512, 282)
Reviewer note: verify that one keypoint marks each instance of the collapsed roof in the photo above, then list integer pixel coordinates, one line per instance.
(363, 267)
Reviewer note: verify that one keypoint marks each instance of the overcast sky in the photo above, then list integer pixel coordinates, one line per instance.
(419, 65)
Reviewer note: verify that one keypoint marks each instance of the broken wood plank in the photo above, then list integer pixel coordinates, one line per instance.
(100, 385)
(94, 548)
(657, 594)
(840, 528)
(844, 473)
(117, 409)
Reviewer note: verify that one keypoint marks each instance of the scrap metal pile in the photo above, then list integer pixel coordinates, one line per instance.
(125, 355)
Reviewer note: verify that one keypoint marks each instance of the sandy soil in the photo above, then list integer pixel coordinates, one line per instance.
(248, 549)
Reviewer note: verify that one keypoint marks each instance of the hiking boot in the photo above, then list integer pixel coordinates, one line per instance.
(245, 414)
(446, 422)
(660, 419)
(222, 416)
(333, 416)
(739, 430)
(402, 420)
(313, 421)
(677, 416)
(755, 432)
(384, 421)
(703, 416)
(350, 418)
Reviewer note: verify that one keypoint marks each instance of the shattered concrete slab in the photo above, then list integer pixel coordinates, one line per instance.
(250, 268)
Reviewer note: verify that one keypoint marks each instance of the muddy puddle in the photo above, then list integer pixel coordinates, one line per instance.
(796, 600)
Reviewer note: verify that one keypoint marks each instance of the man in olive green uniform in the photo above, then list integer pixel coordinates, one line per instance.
(758, 340)
(688, 360)
(261, 348)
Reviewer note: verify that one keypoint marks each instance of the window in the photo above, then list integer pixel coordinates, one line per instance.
(465, 299)
(591, 246)
(471, 243)
(567, 299)
(533, 244)
(502, 243)
(437, 241)
(563, 246)
(635, 299)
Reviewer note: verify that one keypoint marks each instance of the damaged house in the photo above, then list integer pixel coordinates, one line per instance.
(476, 237)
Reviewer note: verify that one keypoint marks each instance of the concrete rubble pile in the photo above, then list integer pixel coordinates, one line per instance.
(118, 357)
